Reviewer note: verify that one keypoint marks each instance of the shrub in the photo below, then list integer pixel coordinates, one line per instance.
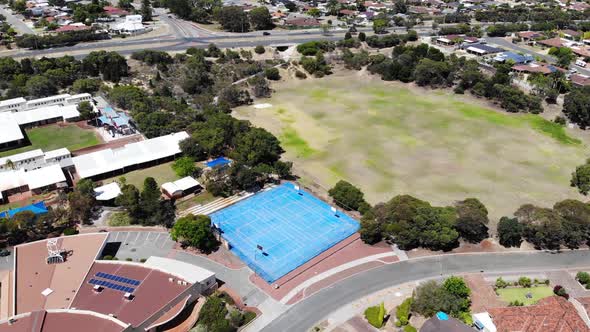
(301, 75)
(107, 257)
(362, 36)
(236, 318)
(249, 316)
(119, 219)
(259, 49)
(375, 315)
(142, 260)
(583, 277)
(403, 311)
(410, 328)
(70, 231)
(129, 259)
(272, 74)
(560, 291)
(524, 282)
(500, 283)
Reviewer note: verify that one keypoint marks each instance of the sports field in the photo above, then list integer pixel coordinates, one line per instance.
(278, 230)
(390, 138)
(53, 137)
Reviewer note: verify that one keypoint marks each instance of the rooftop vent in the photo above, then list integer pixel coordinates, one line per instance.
(171, 279)
(97, 288)
(128, 296)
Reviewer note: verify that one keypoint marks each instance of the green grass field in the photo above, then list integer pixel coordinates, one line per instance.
(55, 137)
(161, 173)
(390, 138)
(519, 294)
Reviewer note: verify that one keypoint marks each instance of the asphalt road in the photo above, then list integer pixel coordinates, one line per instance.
(308, 312)
(16, 22)
(517, 48)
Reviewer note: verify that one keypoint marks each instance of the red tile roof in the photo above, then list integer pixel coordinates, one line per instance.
(115, 11)
(582, 80)
(552, 314)
(68, 28)
(154, 293)
(302, 22)
(553, 42)
(529, 34)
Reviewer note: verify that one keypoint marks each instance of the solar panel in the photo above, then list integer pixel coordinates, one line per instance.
(111, 285)
(118, 278)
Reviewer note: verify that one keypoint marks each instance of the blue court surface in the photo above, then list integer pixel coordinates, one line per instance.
(291, 226)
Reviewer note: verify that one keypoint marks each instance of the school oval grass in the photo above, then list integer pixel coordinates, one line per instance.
(390, 138)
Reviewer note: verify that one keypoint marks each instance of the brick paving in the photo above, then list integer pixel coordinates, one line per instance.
(483, 295)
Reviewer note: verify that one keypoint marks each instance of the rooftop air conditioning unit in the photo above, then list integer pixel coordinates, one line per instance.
(184, 283)
(128, 296)
(171, 279)
(179, 282)
(97, 288)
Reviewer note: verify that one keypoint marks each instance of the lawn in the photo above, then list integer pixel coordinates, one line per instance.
(519, 294)
(161, 173)
(55, 137)
(390, 138)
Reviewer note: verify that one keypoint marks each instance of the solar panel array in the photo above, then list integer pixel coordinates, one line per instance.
(118, 279)
(111, 285)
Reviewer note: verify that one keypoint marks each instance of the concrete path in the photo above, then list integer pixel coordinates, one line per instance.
(332, 272)
(581, 311)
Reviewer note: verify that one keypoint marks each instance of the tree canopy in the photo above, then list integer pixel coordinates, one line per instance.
(194, 231)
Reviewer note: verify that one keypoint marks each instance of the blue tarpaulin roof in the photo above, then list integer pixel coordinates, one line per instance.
(218, 162)
(36, 208)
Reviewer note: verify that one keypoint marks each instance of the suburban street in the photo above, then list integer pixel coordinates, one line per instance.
(305, 314)
(16, 22)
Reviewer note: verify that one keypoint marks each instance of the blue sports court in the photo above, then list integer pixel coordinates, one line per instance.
(279, 229)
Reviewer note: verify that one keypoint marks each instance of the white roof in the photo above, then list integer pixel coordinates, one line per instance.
(12, 101)
(22, 156)
(475, 49)
(9, 129)
(34, 179)
(485, 319)
(189, 272)
(45, 176)
(107, 192)
(444, 40)
(46, 99)
(109, 160)
(46, 113)
(181, 184)
(57, 153)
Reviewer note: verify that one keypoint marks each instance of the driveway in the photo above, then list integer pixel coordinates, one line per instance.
(305, 314)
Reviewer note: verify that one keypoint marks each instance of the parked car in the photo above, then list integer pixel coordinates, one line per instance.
(266, 33)
(581, 63)
(4, 252)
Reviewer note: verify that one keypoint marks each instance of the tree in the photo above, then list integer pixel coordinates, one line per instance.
(86, 85)
(583, 277)
(260, 19)
(524, 282)
(509, 232)
(472, 220)
(150, 195)
(581, 178)
(192, 149)
(146, 10)
(347, 196)
(431, 297)
(380, 25)
(259, 49)
(40, 86)
(362, 36)
(314, 12)
(129, 199)
(233, 19)
(86, 110)
(564, 55)
(195, 231)
(125, 4)
(257, 146)
(184, 166)
(19, 6)
(457, 287)
(81, 201)
(576, 106)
